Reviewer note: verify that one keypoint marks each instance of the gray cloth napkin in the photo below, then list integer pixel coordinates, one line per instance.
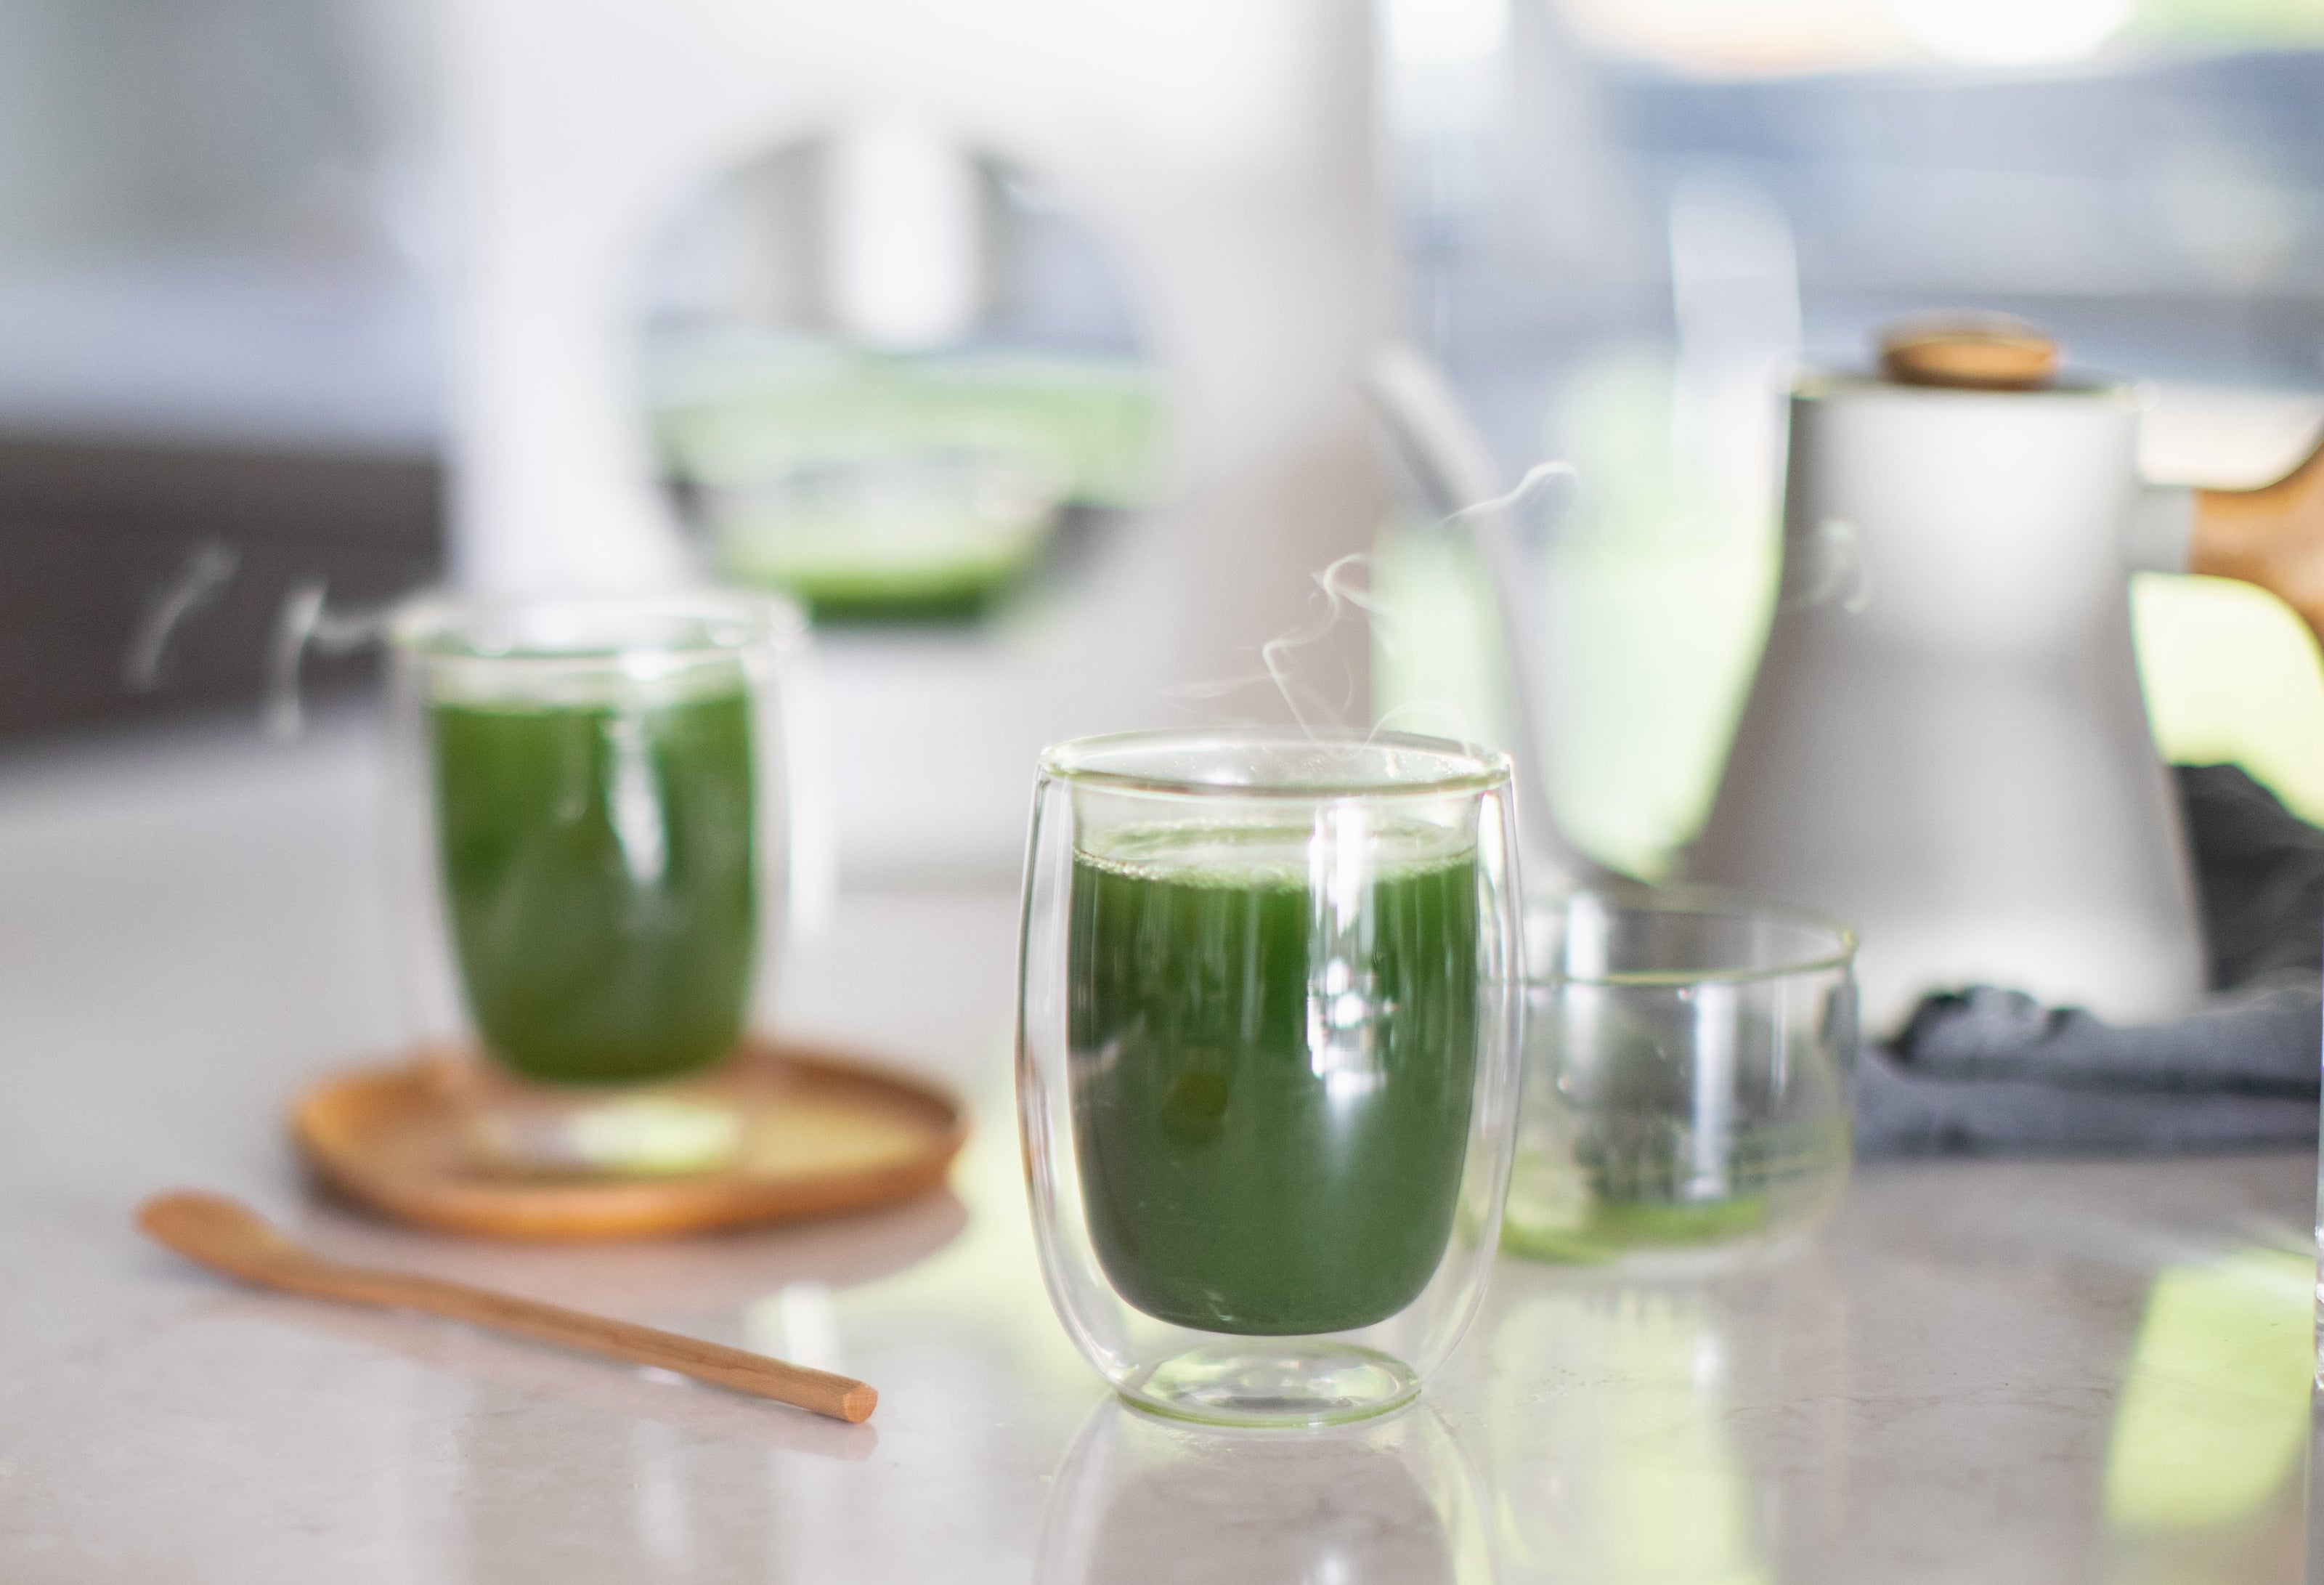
(1987, 1071)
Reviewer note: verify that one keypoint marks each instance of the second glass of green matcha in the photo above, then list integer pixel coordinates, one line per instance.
(1267, 1061)
(596, 817)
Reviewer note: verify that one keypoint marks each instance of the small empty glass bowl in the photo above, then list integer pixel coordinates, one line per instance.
(1689, 1076)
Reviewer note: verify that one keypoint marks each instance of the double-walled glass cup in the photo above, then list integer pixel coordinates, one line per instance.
(1690, 1060)
(1268, 1060)
(595, 825)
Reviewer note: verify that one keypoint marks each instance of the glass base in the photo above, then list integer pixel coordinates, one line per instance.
(514, 1127)
(1292, 1382)
(1555, 1213)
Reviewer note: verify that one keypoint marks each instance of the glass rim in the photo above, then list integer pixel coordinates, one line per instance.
(1471, 768)
(449, 625)
(1704, 903)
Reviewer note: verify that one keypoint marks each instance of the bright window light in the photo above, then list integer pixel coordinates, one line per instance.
(1446, 31)
(2011, 33)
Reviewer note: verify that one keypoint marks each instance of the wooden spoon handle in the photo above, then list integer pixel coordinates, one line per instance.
(2272, 537)
(841, 1397)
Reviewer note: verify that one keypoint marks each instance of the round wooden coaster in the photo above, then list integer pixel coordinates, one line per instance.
(821, 1133)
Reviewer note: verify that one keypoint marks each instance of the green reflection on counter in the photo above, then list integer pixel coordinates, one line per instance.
(1629, 1474)
(2214, 1408)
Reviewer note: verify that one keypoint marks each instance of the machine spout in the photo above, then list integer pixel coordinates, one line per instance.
(1435, 436)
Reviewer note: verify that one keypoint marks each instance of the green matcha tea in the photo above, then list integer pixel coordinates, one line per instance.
(1271, 1084)
(598, 867)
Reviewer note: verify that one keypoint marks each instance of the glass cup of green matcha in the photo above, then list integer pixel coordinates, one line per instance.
(1690, 1061)
(594, 814)
(1267, 1061)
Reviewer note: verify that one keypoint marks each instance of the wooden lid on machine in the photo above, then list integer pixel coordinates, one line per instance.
(1969, 351)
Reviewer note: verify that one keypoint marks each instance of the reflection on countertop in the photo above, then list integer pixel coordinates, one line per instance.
(2213, 1421)
(1138, 1500)
(1634, 1472)
(2022, 1370)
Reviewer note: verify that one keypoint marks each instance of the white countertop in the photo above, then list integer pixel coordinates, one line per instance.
(1995, 1372)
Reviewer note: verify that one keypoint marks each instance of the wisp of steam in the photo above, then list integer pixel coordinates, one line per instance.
(1497, 527)
(1313, 706)
(1454, 470)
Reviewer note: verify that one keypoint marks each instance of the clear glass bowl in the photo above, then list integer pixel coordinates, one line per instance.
(1689, 1076)
(1267, 1062)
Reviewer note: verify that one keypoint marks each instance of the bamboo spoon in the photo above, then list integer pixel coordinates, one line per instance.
(228, 1236)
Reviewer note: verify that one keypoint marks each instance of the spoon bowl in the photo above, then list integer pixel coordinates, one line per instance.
(218, 1231)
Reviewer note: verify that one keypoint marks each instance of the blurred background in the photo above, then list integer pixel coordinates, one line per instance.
(995, 395)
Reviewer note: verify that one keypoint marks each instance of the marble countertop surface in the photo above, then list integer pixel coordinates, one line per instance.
(1986, 1371)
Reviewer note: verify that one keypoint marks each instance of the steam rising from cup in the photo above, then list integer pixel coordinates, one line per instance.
(1453, 466)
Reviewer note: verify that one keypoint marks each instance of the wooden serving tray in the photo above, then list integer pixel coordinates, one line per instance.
(821, 1133)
